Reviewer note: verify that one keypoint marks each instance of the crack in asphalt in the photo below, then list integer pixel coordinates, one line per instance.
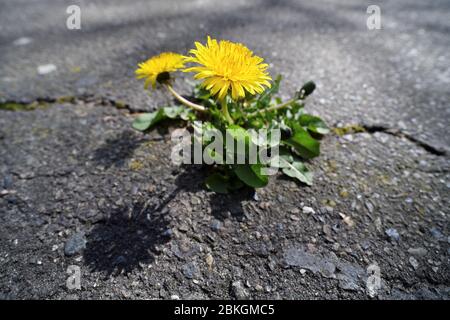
(401, 134)
(37, 176)
(103, 101)
(108, 102)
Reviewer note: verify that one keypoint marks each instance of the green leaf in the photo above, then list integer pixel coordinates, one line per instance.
(217, 183)
(305, 145)
(299, 171)
(206, 128)
(201, 93)
(222, 183)
(235, 183)
(173, 112)
(314, 124)
(295, 110)
(147, 120)
(291, 167)
(187, 115)
(238, 133)
(251, 175)
(241, 136)
(283, 158)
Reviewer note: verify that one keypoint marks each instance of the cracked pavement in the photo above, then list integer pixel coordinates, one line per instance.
(79, 187)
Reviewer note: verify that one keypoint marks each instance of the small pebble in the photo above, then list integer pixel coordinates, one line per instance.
(436, 233)
(414, 262)
(308, 210)
(75, 244)
(46, 68)
(418, 252)
(23, 41)
(393, 234)
(239, 291)
(209, 261)
(216, 225)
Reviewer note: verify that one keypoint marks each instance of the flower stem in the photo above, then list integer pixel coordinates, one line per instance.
(225, 111)
(277, 107)
(185, 101)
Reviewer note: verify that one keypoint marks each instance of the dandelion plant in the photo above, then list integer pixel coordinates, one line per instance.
(240, 127)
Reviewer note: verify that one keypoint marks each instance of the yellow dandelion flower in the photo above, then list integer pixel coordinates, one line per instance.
(226, 66)
(157, 68)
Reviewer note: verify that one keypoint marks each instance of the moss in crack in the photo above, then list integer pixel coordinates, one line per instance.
(135, 165)
(353, 128)
(66, 99)
(40, 103)
(16, 106)
(120, 104)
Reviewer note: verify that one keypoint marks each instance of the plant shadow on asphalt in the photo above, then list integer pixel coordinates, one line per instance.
(130, 236)
(222, 205)
(116, 151)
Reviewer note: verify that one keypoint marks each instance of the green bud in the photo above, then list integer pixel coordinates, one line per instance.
(256, 124)
(306, 90)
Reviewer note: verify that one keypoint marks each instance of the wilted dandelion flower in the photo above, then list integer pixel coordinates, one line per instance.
(226, 66)
(157, 68)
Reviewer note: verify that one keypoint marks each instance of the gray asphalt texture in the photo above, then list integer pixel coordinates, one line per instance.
(80, 187)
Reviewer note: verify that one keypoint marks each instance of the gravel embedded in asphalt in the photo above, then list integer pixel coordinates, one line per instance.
(77, 168)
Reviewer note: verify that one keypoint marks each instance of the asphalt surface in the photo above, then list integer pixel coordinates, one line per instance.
(79, 187)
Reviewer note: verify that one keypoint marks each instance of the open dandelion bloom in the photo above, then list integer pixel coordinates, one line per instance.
(226, 66)
(158, 67)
